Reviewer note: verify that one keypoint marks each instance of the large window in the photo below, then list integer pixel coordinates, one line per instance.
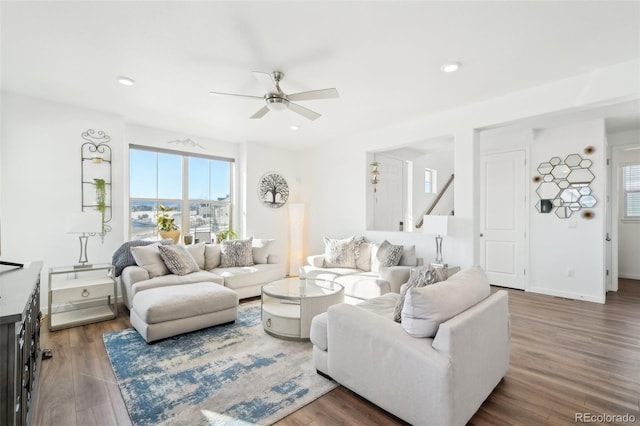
(631, 191)
(197, 188)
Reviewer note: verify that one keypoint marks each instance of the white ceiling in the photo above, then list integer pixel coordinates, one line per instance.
(383, 57)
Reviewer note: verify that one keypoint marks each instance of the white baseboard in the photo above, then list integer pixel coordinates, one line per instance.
(629, 276)
(567, 295)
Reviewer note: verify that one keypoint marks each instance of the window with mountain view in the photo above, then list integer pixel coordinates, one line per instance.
(197, 189)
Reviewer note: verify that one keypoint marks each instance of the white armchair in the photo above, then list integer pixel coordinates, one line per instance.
(434, 381)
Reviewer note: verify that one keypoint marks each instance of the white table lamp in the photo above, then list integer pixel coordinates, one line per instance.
(85, 223)
(438, 226)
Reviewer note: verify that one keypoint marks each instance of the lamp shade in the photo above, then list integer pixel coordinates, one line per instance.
(84, 222)
(435, 225)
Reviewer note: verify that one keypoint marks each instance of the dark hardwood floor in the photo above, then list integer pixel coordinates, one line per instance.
(567, 357)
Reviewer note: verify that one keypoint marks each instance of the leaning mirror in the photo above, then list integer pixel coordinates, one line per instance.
(409, 181)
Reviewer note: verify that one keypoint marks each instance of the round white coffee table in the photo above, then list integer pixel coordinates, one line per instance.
(289, 305)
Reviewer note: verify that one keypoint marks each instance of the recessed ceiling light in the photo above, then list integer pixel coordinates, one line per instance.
(294, 127)
(450, 67)
(126, 81)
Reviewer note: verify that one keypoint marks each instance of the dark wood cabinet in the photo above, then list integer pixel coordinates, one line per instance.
(20, 351)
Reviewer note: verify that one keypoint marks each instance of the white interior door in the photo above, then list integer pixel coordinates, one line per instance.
(503, 217)
(389, 196)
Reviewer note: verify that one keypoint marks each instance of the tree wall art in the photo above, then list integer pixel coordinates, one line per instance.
(273, 190)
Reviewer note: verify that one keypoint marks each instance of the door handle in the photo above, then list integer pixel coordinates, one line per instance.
(608, 238)
(481, 234)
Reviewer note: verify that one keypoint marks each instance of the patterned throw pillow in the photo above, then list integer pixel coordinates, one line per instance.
(178, 259)
(339, 253)
(420, 277)
(236, 253)
(389, 254)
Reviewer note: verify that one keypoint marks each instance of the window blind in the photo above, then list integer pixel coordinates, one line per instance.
(631, 189)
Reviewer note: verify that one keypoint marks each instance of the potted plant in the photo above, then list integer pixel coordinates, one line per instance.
(226, 234)
(166, 225)
(101, 196)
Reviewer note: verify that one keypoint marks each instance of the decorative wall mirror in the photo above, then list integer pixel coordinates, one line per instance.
(404, 183)
(565, 186)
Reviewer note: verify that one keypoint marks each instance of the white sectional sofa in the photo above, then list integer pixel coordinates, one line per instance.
(368, 279)
(244, 280)
(440, 379)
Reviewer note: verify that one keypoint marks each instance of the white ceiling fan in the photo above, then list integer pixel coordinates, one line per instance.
(277, 100)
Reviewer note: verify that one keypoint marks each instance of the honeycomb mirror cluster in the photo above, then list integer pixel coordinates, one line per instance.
(565, 186)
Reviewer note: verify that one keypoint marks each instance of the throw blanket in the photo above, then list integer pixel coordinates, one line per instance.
(123, 257)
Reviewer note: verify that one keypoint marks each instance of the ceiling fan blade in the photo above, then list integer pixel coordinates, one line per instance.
(236, 94)
(305, 112)
(261, 112)
(267, 81)
(314, 94)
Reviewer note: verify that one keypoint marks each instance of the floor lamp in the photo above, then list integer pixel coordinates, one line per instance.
(296, 231)
(438, 226)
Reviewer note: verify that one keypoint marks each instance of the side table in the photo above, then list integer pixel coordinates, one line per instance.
(80, 296)
(450, 268)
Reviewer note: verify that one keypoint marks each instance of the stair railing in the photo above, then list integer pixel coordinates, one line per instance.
(435, 202)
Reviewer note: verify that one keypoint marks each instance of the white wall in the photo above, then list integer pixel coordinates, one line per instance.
(566, 256)
(41, 181)
(40, 178)
(41, 169)
(626, 149)
(261, 221)
(336, 174)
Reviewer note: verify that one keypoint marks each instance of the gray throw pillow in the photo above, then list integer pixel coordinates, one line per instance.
(178, 259)
(148, 257)
(389, 254)
(236, 253)
(420, 277)
(261, 249)
(123, 256)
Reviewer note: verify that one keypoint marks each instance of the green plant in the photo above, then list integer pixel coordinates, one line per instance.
(226, 234)
(101, 197)
(164, 219)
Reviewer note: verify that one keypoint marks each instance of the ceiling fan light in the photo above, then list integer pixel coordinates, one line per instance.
(277, 103)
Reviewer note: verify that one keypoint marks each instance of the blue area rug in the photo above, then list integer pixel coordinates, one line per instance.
(224, 375)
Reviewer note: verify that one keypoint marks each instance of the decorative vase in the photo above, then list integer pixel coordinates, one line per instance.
(173, 235)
